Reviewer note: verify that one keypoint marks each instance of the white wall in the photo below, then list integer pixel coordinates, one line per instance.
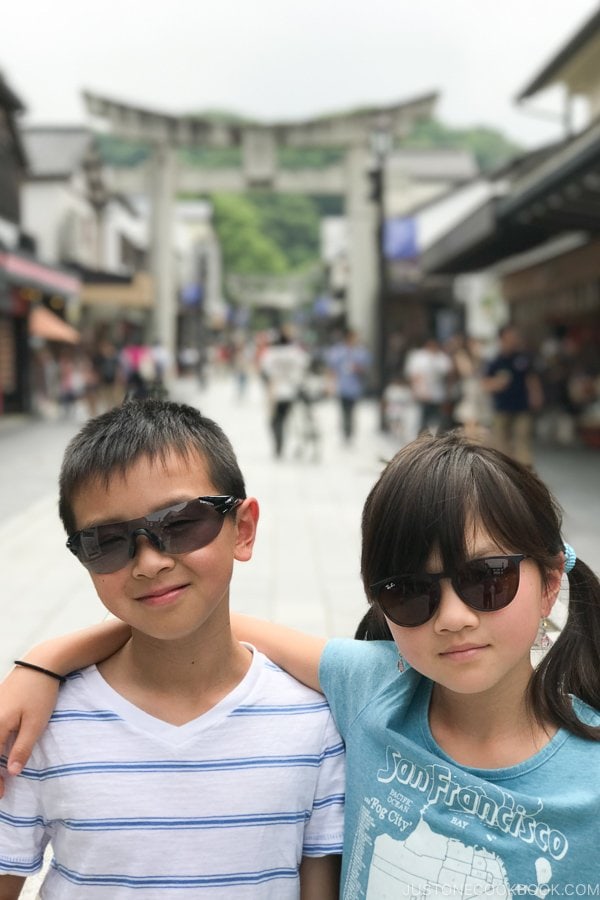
(119, 222)
(65, 225)
(53, 213)
(403, 197)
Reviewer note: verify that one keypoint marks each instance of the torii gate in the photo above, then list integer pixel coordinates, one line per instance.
(163, 176)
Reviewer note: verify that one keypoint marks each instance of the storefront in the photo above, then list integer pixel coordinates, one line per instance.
(25, 284)
(542, 238)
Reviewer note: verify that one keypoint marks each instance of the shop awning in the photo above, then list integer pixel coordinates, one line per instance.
(560, 195)
(480, 240)
(22, 269)
(44, 324)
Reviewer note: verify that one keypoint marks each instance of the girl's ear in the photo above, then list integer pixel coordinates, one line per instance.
(246, 521)
(551, 590)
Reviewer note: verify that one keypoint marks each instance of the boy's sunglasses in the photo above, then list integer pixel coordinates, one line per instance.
(176, 529)
(485, 585)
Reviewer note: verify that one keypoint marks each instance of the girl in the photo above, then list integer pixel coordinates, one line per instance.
(468, 772)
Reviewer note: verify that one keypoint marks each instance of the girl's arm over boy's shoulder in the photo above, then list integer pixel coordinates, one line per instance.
(296, 652)
(27, 697)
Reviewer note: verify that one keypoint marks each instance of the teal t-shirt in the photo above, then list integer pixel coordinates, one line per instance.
(419, 825)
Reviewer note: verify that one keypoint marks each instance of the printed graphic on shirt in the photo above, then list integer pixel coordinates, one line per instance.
(400, 849)
(430, 864)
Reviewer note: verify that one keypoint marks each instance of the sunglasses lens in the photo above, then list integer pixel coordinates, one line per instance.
(104, 549)
(191, 527)
(178, 529)
(485, 585)
(409, 601)
(489, 584)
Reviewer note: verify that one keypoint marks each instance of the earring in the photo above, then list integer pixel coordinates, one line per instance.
(402, 664)
(542, 641)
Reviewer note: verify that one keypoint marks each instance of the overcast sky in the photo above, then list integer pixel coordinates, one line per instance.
(280, 60)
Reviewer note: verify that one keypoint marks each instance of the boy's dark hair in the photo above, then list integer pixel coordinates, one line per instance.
(115, 440)
(426, 499)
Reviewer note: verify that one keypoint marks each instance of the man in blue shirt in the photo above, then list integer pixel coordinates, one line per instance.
(516, 394)
(349, 362)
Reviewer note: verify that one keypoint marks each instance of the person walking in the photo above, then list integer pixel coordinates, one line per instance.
(428, 369)
(471, 410)
(349, 362)
(137, 363)
(105, 360)
(516, 392)
(283, 366)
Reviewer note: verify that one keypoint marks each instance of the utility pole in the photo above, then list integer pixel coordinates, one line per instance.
(381, 140)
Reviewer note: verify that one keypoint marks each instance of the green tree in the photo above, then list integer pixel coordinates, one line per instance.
(212, 157)
(121, 152)
(489, 146)
(309, 157)
(291, 221)
(246, 249)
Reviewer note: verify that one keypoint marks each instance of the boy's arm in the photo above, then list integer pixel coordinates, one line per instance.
(296, 652)
(11, 886)
(27, 698)
(320, 877)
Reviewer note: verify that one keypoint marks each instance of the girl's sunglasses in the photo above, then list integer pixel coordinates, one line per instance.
(176, 529)
(485, 585)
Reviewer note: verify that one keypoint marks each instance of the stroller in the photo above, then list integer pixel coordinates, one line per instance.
(306, 429)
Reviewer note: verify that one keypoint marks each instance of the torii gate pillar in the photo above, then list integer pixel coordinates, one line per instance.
(362, 251)
(162, 191)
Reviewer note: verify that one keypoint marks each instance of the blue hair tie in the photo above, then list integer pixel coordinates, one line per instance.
(570, 557)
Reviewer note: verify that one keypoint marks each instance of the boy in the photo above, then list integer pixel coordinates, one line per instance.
(185, 764)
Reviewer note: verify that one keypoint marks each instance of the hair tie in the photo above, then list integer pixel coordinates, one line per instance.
(28, 665)
(570, 557)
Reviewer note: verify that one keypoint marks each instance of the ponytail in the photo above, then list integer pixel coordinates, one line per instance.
(571, 666)
(373, 626)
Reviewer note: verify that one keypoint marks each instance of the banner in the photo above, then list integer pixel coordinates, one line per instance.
(400, 238)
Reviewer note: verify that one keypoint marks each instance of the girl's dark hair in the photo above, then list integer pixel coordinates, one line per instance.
(428, 497)
(373, 626)
(112, 442)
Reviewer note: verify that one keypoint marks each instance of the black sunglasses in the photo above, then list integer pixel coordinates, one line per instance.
(485, 585)
(175, 529)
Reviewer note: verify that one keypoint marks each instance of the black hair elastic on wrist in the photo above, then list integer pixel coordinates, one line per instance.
(28, 665)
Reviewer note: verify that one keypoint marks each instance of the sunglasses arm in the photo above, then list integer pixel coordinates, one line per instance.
(296, 652)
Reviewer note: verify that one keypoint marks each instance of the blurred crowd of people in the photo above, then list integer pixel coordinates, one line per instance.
(296, 377)
(502, 391)
(79, 380)
(505, 391)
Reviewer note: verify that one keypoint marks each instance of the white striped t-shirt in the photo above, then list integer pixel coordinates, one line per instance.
(223, 806)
